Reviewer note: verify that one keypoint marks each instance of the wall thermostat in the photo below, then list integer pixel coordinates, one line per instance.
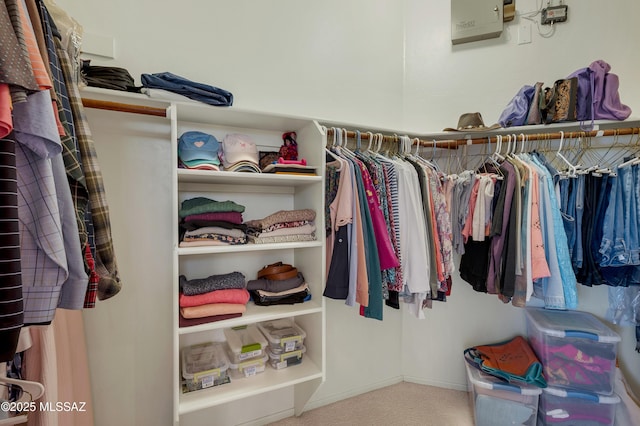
(554, 14)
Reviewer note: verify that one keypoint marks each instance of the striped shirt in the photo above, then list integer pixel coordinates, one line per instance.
(11, 302)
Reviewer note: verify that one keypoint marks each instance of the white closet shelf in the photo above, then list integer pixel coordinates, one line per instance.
(269, 380)
(194, 112)
(243, 248)
(255, 314)
(239, 178)
(262, 194)
(198, 112)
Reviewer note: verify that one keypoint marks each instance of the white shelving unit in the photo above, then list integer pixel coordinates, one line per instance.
(261, 194)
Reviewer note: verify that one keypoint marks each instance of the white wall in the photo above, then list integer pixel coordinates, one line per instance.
(323, 59)
(382, 63)
(441, 82)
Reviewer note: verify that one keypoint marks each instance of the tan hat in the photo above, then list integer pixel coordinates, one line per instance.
(471, 121)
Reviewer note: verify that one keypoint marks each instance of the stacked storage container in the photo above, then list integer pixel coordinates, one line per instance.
(204, 366)
(496, 402)
(578, 354)
(286, 342)
(246, 350)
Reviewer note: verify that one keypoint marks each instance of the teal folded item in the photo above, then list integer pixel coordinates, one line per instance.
(205, 205)
(512, 360)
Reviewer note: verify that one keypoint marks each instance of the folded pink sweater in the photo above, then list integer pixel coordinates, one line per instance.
(212, 309)
(232, 295)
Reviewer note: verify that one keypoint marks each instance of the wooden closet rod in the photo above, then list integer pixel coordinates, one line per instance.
(117, 106)
(455, 143)
(554, 135)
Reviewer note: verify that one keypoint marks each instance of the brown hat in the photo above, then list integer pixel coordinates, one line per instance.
(471, 121)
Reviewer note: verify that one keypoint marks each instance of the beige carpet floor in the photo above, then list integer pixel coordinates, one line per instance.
(406, 404)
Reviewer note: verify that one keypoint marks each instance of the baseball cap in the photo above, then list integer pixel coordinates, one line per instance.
(239, 149)
(194, 145)
(201, 165)
(244, 166)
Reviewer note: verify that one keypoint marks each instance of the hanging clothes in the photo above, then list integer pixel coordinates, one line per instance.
(414, 250)
(51, 196)
(12, 310)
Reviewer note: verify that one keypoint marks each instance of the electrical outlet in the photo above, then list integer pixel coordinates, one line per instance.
(554, 14)
(524, 33)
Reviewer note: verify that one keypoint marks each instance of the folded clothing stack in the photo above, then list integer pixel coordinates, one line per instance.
(191, 89)
(207, 222)
(278, 284)
(283, 226)
(214, 298)
(113, 78)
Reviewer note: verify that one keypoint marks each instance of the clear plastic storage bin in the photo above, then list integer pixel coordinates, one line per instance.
(576, 349)
(283, 335)
(498, 403)
(248, 368)
(286, 359)
(564, 408)
(245, 343)
(204, 365)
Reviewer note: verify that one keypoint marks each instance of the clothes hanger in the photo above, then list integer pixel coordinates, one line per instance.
(491, 160)
(496, 155)
(637, 146)
(513, 148)
(629, 151)
(337, 142)
(405, 147)
(572, 168)
(522, 143)
(388, 152)
(368, 153)
(634, 157)
(449, 159)
(380, 139)
(586, 155)
(331, 153)
(342, 143)
(370, 134)
(506, 154)
(433, 153)
(429, 163)
(30, 392)
(457, 157)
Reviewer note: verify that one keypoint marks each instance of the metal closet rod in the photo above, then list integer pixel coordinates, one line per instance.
(455, 143)
(117, 106)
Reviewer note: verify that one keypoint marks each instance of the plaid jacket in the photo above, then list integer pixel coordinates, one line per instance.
(105, 260)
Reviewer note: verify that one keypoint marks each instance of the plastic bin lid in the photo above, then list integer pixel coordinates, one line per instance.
(281, 331)
(249, 363)
(286, 355)
(589, 396)
(245, 339)
(574, 324)
(204, 359)
(487, 381)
